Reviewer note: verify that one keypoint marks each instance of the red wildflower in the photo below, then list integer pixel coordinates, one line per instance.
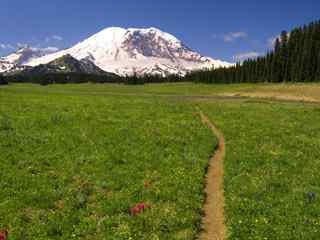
(133, 211)
(143, 206)
(139, 208)
(3, 234)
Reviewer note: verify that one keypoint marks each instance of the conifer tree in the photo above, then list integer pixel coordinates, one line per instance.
(295, 58)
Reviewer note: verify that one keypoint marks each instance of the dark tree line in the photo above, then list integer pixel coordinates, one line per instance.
(2, 80)
(138, 80)
(295, 58)
(61, 78)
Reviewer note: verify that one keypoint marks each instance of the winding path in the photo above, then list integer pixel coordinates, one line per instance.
(213, 221)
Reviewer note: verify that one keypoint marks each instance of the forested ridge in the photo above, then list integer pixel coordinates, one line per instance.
(295, 58)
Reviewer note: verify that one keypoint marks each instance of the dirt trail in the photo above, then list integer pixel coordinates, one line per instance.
(213, 221)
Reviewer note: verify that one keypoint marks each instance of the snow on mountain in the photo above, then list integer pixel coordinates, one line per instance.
(135, 51)
(23, 56)
(5, 65)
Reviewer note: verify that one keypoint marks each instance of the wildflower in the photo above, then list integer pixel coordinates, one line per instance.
(3, 234)
(143, 206)
(134, 211)
(139, 208)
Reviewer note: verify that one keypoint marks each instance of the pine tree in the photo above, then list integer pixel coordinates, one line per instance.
(2, 80)
(317, 75)
(295, 58)
(283, 61)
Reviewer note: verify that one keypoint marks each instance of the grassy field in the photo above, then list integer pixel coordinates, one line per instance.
(76, 158)
(73, 166)
(271, 178)
(298, 92)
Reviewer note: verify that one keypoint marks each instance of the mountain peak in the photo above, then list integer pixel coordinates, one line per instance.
(127, 51)
(120, 35)
(24, 55)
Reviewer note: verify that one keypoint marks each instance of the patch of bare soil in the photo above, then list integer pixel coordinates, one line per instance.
(274, 95)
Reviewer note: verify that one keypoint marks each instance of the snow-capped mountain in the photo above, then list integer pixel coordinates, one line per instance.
(22, 57)
(135, 51)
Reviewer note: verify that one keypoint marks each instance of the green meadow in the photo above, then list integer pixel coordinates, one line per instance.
(76, 159)
(271, 180)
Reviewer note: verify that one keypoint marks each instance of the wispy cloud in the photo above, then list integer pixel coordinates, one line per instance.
(57, 38)
(246, 55)
(6, 46)
(271, 41)
(54, 38)
(22, 45)
(51, 49)
(48, 49)
(230, 37)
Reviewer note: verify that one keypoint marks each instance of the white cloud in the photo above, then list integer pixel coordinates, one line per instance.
(51, 49)
(6, 46)
(22, 45)
(46, 49)
(57, 37)
(230, 37)
(54, 38)
(246, 55)
(271, 41)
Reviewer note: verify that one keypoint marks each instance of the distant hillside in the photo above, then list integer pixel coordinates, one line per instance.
(65, 64)
(18, 59)
(65, 69)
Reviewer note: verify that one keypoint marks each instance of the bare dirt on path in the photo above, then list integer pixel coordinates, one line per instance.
(213, 221)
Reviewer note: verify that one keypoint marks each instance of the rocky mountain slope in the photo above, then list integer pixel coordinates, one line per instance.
(124, 52)
(136, 51)
(65, 64)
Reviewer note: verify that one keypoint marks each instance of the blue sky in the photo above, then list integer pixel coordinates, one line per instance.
(225, 30)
